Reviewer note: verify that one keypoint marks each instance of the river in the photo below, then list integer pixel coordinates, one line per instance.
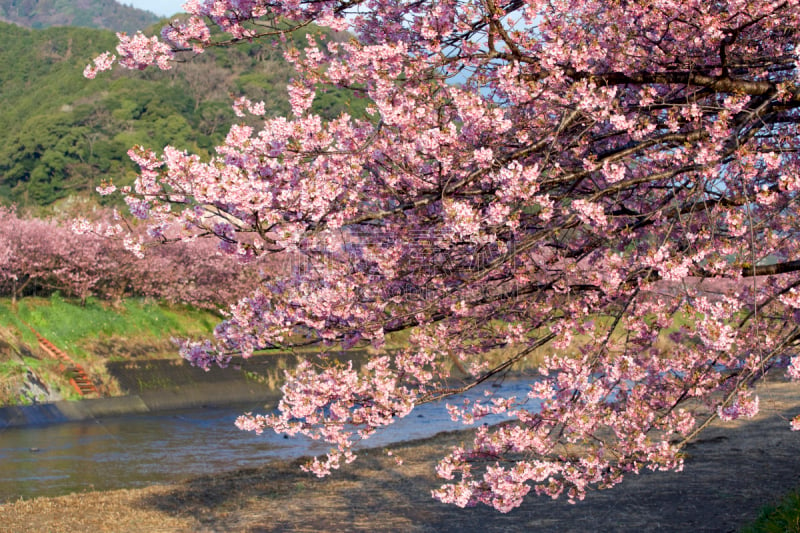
(164, 447)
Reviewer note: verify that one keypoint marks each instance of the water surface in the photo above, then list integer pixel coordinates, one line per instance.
(138, 450)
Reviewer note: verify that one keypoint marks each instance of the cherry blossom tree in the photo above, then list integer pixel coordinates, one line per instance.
(32, 260)
(39, 256)
(611, 183)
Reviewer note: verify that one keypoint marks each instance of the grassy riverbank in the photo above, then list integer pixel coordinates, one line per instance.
(125, 348)
(93, 335)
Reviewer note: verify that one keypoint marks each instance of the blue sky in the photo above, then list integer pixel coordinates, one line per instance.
(163, 8)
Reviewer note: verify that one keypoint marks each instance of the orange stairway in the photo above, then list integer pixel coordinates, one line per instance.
(74, 372)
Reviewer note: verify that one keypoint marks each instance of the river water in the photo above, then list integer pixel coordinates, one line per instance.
(165, 447)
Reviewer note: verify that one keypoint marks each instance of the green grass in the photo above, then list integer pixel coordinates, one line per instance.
(783, 517)
(10, 368)
(71, 326)
(91, 334)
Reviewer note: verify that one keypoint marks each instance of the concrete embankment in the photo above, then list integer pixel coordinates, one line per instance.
(157, 385)
(184, 397)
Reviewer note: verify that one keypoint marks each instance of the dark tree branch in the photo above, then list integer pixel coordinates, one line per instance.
(770, 270)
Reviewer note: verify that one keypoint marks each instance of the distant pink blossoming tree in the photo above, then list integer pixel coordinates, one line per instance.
(611, 183)
(39, 256)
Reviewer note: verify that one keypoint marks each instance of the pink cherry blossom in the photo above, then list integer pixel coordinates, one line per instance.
(609, 185)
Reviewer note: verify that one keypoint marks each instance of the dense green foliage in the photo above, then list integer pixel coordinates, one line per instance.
(103, 14)
(62, 134)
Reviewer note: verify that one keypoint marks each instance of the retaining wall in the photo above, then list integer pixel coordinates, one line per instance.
(202, 395)
(157, 385)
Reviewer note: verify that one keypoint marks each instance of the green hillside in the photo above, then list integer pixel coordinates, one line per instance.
(102, 14)
(61, 134)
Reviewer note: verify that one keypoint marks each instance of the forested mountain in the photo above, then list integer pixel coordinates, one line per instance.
(105, 14)
(62, 134)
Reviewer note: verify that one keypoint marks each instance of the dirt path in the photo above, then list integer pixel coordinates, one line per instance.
(730, 473)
